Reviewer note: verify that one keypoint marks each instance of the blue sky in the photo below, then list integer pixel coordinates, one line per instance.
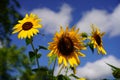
(81, 13)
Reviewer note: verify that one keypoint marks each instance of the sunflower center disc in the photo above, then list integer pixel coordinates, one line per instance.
(27, 26)
(65, 46)
(98, 39)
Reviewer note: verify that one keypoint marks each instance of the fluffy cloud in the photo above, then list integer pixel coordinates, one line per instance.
(95, 70)
(98, 69)
(108, 22)
(53, 20)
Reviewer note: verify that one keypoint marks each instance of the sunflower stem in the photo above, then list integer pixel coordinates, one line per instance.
(54, 66)
(35, 54)
(66, 71)
(60, 69)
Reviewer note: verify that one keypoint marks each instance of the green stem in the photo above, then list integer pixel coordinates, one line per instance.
(66, 71)
(54, 66)
(35, 54)
(61, 69)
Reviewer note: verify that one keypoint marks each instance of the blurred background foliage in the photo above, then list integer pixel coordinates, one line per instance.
(8, 18)
(14, 64)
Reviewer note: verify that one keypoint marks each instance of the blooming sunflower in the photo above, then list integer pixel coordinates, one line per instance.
(67, 45)
(28, 26)
(96, 39)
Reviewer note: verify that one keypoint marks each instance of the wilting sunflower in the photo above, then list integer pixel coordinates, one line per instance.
(96, 39)
(67, 45)
(28, 26)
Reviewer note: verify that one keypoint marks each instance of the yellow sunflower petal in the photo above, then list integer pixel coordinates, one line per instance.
(70, 61)
(60, 60)
(51, 53)
(96, 39)
(21, 34)
(28, 26)
(81, 54)
(34, 31)
(64, 42)
(64, 61)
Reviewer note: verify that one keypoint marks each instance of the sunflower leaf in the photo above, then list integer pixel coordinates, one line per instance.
(91, 45)
(73, 69)
(31, 55)
(42, 47)
(28, 41)
(84, 34)
(113, 67)
(51, 59)
(73, 75)
(39, 55)
(62, 77)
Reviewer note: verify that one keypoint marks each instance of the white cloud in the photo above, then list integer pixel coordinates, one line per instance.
(95, 70)
(108, 22)
(98, 69)
(53, 20)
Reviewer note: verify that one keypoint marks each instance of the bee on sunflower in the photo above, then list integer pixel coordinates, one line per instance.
(67, 45)
(96, 39)
(28, 26)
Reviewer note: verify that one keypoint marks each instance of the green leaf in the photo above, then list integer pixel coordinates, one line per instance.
(32, 56)
(39, 55)
(73, 69)
(42, 47)
(28, 41)
(115, 71)
(91, 45)
(84, 34)
(112, 66)
(52, 59)
(73, 75)
(62, 77)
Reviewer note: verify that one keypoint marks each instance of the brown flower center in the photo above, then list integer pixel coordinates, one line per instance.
(27, 26)
(65, 46)
(98, 39)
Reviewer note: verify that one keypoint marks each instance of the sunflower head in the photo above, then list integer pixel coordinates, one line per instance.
(28, 26)
(96, 39)
(67, 45)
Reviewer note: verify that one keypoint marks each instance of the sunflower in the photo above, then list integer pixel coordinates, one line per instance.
(96, 39)
(67, 45)
(28, 26)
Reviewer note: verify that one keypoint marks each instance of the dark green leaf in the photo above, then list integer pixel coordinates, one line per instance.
(62, 77)
(84, 34)
(42, 47)
(39, 55)
(112, 66)
(115, 71)
(28, 41)
(73, 69)
(91, 45)
(32, 56)
(73, 75)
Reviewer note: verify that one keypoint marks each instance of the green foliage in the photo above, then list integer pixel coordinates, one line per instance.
(91, 46)
(12, 60)
(62, 77)
(84, 35)
(115, 71)
(28, 41)
(31, 55)
(8, 17)
(43, 47)
(73, 75)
